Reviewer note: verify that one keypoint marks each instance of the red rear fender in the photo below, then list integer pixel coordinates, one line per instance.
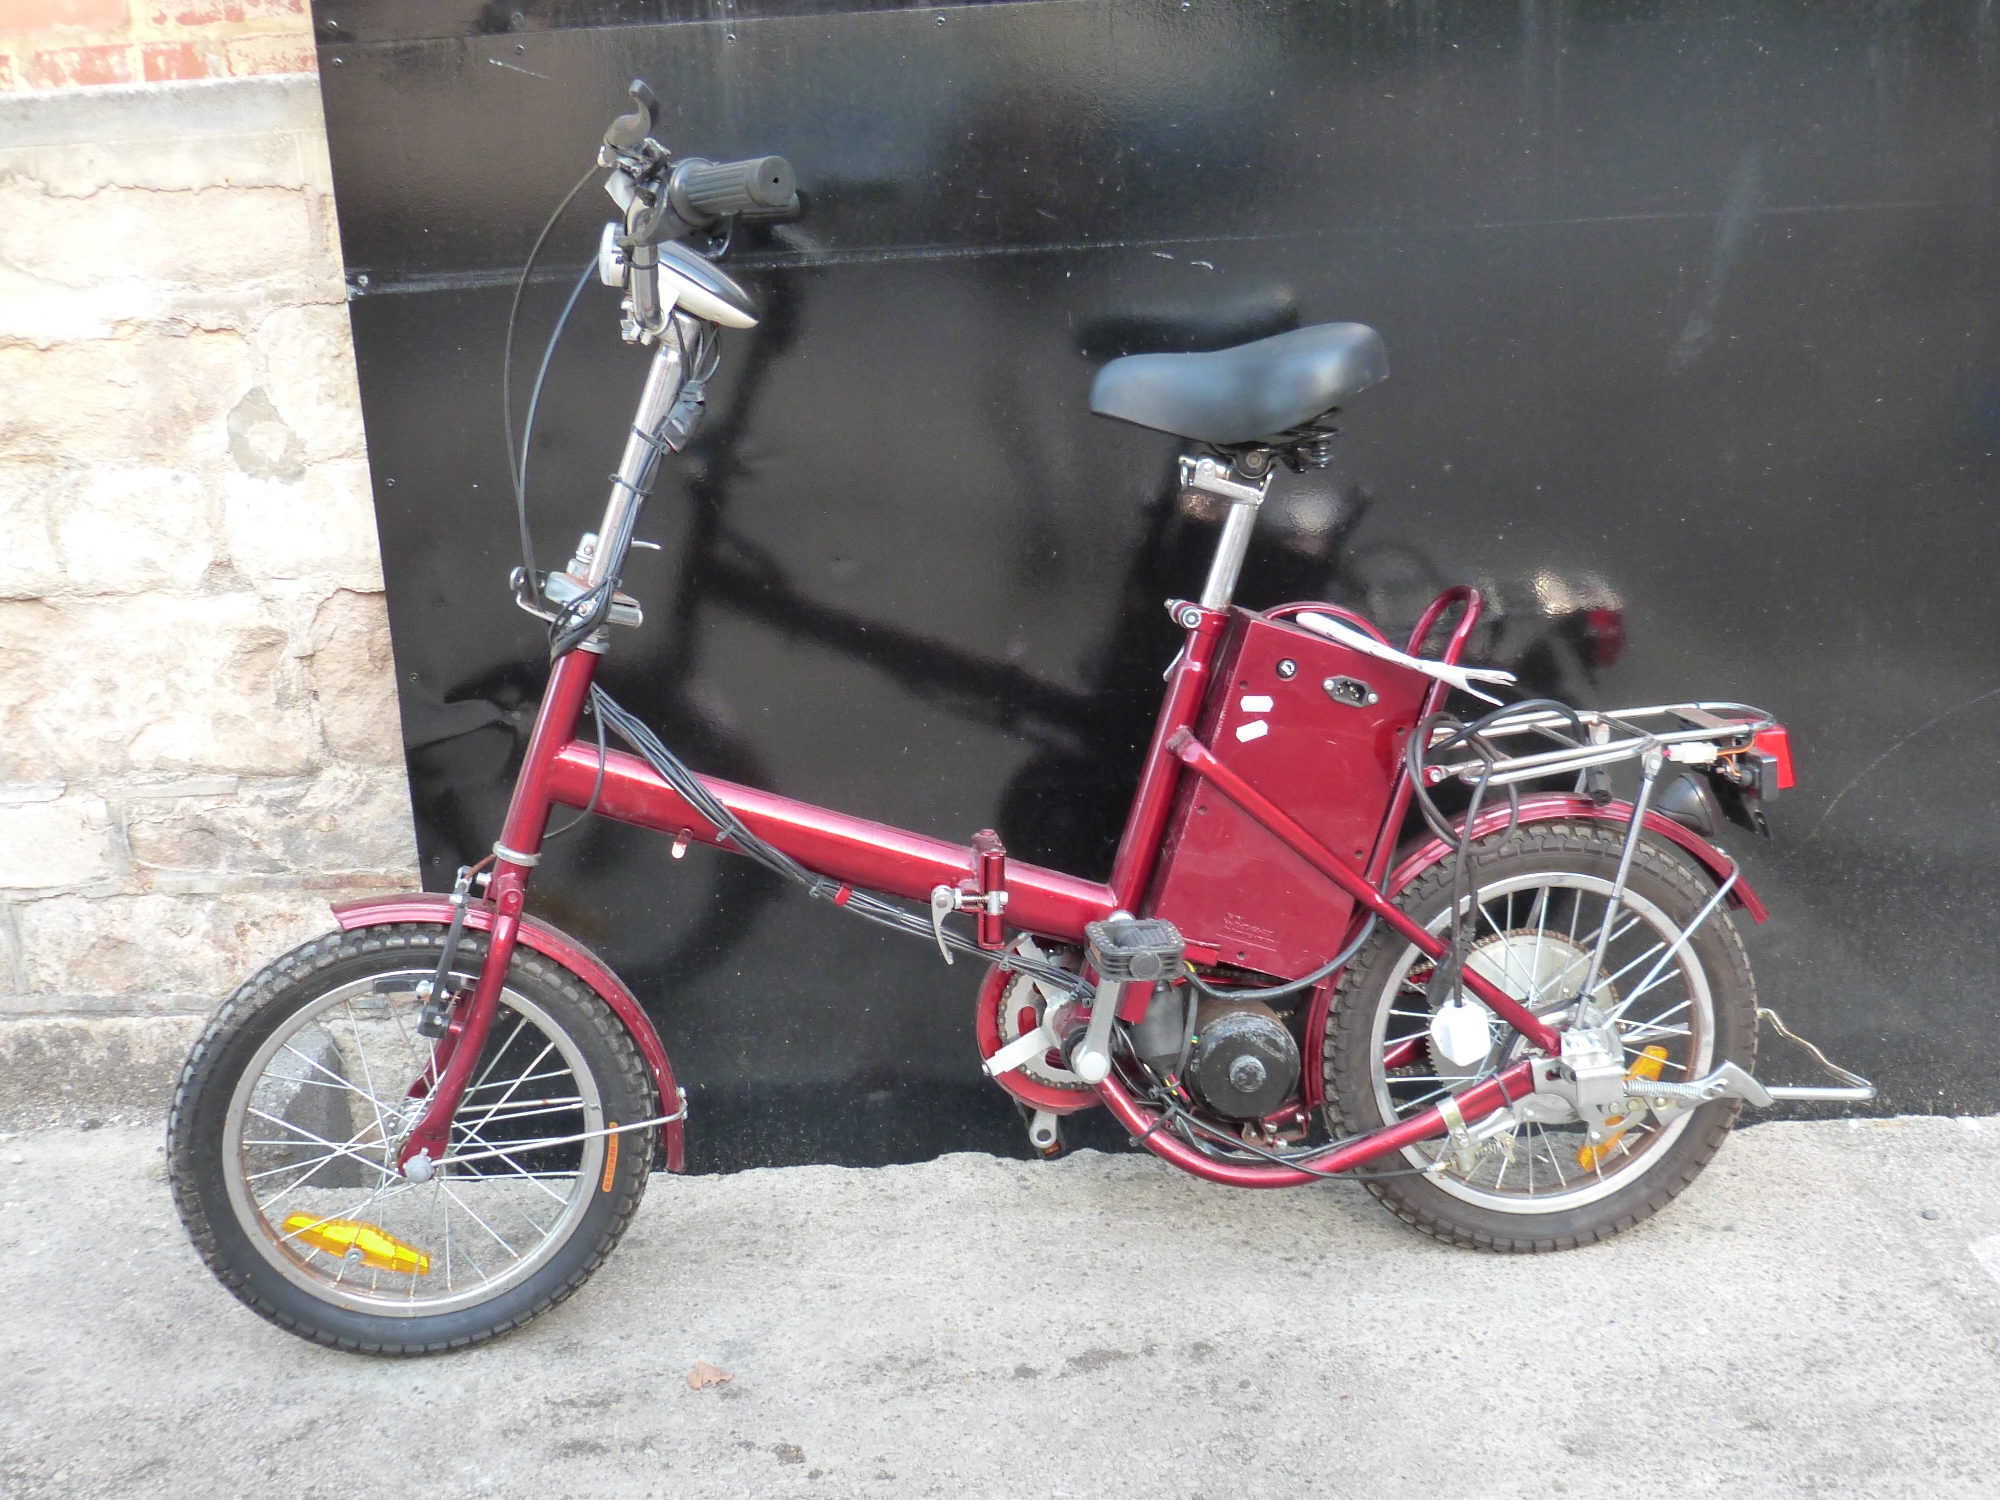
(554, 944)
(1553, 806)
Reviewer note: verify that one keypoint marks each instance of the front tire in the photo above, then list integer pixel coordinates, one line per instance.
(282, 1138)
(1541, 893)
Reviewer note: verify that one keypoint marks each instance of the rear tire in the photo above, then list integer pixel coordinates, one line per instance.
(1537, 889)
(281, 1142)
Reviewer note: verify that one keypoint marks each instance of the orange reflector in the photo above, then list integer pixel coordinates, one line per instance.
(353, 1240)
(1648, 1068)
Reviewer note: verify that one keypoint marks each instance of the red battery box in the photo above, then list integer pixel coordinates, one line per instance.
(1317, 728)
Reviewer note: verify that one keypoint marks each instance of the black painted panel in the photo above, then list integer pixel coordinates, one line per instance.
(1689, 314)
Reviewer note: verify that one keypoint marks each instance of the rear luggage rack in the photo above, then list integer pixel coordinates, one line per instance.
(1686, 733)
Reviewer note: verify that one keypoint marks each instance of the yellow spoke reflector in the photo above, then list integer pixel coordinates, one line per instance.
(1648, 1068)
(350, 1239)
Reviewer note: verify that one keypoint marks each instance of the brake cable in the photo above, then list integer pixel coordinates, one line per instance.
(517, 473)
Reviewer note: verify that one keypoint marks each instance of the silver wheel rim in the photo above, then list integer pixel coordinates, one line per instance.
(484, 1227)
(1676, 1011)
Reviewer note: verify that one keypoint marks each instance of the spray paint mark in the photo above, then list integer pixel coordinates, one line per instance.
(1732, 231)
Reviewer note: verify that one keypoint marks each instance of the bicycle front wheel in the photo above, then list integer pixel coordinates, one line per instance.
(285, 1128)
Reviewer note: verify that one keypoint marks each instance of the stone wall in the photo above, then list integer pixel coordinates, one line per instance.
(62, 43)
(198, 731)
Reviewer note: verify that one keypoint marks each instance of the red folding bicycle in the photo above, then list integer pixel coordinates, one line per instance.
(1362, 925)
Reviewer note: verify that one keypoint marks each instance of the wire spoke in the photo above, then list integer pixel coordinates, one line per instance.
(520, 1023)
(334, 1152)
(338, 1081)
(500, 1155)
(542, 1107)
(367, 1073)
(477, 1220)
(524, 1078)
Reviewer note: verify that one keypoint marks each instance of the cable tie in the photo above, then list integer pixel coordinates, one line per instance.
(650, 441)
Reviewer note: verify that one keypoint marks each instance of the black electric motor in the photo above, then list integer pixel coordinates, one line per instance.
(1245, 1063)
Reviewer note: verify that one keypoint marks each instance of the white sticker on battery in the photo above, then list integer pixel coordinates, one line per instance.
(1256, 705)
(1256, 729)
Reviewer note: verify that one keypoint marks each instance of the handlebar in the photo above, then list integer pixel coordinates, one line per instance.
(666, 200)
(703, 191)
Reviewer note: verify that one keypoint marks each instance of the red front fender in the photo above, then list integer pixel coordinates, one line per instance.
(558, 946)
(1549, 806)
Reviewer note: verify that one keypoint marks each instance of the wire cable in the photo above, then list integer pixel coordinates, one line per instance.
(596, 789)
(514, 473)
(1272, 992)
(866, 904)
(519, 471)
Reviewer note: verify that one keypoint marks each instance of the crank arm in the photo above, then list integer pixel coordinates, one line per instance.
(1023, 1049)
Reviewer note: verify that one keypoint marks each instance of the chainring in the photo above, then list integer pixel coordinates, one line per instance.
(1009, 1006)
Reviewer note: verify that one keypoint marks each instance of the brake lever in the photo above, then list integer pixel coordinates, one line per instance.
(629, 130)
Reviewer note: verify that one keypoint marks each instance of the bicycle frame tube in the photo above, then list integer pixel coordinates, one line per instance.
(1474, 1104)
(1187, 689)
(854, 850)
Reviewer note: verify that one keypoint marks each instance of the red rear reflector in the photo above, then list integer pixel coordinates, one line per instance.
(1777, 742)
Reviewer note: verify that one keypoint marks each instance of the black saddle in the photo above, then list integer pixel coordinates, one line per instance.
(1219, 318)
(1252, 391)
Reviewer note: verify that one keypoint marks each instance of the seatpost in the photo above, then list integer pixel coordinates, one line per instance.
(1208, 476)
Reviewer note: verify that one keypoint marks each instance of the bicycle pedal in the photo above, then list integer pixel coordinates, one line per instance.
(1045, 1133)
(1136, 950)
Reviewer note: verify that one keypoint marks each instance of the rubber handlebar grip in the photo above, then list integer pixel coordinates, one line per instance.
(714, 189)
(788, 210)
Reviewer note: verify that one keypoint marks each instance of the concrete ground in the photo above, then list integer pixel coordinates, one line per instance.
(1819, 1314)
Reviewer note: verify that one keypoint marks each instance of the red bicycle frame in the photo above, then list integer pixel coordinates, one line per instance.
(561, 768)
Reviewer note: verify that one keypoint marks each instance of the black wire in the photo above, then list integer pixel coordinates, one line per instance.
(866, 904)
(597, 787)
(1196, 982)
(507, 372)
(519, 471)
(579, 619)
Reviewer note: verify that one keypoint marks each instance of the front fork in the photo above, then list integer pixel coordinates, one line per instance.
(515, 856)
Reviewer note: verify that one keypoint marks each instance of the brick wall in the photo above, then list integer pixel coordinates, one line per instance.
(198, 729)
(61, 43)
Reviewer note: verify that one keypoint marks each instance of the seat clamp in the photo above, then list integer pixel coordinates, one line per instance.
(1213, 478)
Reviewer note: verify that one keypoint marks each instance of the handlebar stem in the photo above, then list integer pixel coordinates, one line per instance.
(639, 465)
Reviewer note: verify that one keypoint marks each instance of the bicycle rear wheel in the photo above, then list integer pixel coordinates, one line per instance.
(1681, 1009)
(284, 1131)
